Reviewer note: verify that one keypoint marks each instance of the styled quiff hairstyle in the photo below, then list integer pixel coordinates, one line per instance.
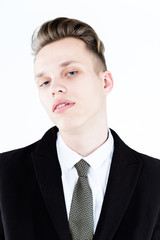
(62, 27)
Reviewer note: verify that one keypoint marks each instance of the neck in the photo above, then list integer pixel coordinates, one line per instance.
(87, 140)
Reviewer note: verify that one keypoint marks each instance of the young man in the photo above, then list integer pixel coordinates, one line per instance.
(80, 181)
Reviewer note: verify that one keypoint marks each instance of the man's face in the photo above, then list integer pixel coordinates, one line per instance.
(71, 91)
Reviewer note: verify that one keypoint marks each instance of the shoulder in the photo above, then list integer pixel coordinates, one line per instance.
(22, 156)
(9, 161)
(18, 152)
(146, 159)
(149, 163)
(30, 148)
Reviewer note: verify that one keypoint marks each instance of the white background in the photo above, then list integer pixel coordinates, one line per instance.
(130, 30)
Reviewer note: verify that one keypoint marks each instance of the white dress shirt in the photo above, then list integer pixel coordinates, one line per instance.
(99, 161)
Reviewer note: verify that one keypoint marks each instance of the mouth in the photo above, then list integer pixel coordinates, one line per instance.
(62, 106)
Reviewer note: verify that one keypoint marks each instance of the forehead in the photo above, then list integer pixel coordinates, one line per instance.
(64, 50)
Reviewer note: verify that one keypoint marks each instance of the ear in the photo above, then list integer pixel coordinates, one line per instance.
(107, 82)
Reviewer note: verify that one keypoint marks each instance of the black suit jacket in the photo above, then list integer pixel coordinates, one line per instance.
(32, 205)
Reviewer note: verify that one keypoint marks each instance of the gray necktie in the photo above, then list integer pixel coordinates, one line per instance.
(81, 212)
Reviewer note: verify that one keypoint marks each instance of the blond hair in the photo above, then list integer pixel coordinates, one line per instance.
(62, 27)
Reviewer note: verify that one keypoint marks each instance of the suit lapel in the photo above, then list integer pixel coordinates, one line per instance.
(48, 174)
(124, 174)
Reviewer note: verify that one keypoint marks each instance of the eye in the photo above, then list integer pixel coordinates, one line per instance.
(45, 83)
(72, 73)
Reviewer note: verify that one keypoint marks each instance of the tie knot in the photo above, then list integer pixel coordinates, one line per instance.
(82, 168)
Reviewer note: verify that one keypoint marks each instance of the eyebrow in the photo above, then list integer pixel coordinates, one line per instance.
(64, 64)
(38, 75)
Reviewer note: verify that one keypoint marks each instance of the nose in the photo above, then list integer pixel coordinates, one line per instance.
(57, 87)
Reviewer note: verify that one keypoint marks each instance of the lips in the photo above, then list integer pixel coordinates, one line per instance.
(62, 105)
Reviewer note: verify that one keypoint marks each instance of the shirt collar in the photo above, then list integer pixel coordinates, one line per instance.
(68, 158)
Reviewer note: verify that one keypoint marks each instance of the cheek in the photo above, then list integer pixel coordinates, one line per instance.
(93, 92)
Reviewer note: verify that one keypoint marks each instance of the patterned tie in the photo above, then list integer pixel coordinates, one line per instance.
(81, 212)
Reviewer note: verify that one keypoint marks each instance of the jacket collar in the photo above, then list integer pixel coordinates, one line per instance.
(124, 174)
(123, 177)
(48, 174)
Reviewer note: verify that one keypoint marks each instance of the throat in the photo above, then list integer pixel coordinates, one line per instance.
(85, 144)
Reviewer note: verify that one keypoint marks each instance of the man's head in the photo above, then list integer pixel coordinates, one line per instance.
(60, 28)
(71, 76)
